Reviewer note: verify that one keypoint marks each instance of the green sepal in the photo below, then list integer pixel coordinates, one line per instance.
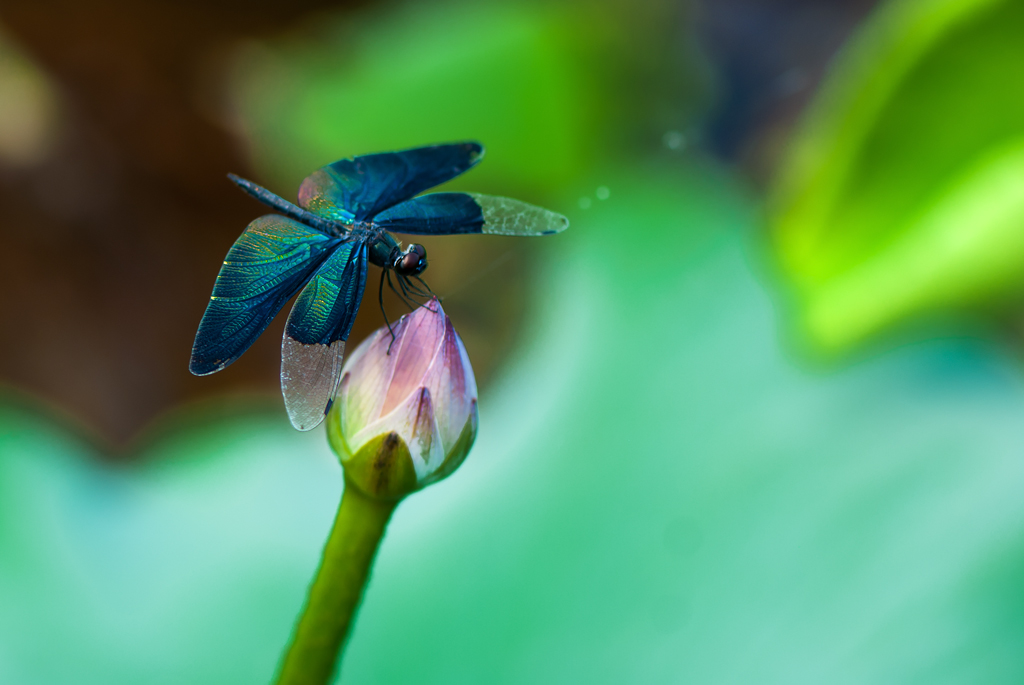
(382, 468)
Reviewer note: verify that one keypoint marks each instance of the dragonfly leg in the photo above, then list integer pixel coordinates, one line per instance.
(380, 299)
(405, 289)
(427, 287)
(418, 291)
(405, 299)
(411, 287)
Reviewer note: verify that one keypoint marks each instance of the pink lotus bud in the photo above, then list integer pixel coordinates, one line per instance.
(406, 419)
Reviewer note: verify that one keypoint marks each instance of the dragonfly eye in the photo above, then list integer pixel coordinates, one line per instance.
(413, 261)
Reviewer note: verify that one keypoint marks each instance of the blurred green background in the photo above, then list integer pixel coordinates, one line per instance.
(757, 417)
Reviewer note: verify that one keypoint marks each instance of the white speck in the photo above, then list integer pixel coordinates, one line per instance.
(602, 193)
(674, 140)
(584, 203)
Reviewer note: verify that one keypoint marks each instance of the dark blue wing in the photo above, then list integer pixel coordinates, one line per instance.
(358, 188)
(314, 338)
(449, 213)
(268, 264)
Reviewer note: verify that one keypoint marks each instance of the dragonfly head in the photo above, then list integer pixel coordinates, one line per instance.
(410, 262)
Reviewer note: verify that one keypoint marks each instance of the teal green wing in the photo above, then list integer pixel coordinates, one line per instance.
(314, 339)
(267, 265)
(360, 187)
(451, 213)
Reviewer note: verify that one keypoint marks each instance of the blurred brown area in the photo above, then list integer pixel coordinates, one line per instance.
(112, 242)
(768, 57)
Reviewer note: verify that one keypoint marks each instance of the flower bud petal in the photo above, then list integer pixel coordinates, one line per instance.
(414, 422)
(451, 375)
(458, 452)
(415, 351)
(364, 395)
(418, 387)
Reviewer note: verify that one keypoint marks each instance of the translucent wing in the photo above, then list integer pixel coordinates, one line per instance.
(268, 264)
(314, 338)
(359, 187)
(450, 213)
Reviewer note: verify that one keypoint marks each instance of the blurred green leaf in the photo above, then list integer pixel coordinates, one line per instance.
(904, 192)
(520, 77)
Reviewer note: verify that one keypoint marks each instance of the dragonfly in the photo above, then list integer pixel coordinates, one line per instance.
(320, 249)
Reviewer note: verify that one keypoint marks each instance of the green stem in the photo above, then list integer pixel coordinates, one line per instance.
(336, 590)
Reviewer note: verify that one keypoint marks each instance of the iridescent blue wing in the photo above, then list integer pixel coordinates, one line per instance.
(450, 213)
(268, 264)
(358, 188)
(314, 338)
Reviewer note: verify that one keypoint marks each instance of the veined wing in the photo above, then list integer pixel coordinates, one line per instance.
(314, 338)
(450, 213)
(359, 187)
(268, 264)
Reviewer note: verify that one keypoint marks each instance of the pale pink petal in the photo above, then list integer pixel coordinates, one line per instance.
(371, 369)
(467, 368)
(414, 351)
(413, 421)
(448, 380)
(364, 375)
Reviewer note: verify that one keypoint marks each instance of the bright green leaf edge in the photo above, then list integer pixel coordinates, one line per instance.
(935, 261)
(865, 78)
(841, 307)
